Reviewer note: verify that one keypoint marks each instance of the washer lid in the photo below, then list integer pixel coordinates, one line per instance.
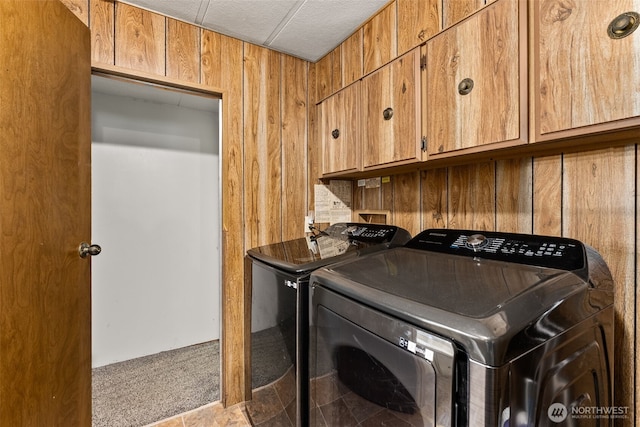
(470, 287)
(495, 310)
(338, 242)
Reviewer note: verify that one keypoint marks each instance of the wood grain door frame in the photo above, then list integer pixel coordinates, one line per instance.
(232, 388)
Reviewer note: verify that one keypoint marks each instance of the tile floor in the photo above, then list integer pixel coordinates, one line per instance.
(274, 406)
(212, 415)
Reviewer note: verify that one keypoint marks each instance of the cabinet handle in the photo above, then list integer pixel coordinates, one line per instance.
(335, 133)
(623, 25)
(387, 113)
(465, 86)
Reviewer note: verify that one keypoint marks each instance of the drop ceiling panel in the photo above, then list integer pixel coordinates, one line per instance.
(319, 26)
(249, 20)
(308, 29)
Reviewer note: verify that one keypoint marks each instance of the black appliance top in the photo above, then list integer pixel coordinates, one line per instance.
(338, 242)
(481, 289)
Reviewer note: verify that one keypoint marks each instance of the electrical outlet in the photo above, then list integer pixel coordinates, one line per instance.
(308, 221)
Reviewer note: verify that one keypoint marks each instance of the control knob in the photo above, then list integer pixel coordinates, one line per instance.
(477, 242)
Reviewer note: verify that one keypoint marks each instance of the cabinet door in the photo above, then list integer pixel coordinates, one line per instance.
(417, 21)
(339, 131)
(583, 76)
(391, 119)
(476, 82)
(379, 39)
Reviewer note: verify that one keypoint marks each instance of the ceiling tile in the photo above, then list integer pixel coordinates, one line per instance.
(321, 25)
(308, 29)
(249, 20)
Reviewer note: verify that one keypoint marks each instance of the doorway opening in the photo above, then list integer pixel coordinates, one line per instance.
(156, 207)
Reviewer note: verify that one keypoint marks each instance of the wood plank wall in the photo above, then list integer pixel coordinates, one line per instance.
(265, 129)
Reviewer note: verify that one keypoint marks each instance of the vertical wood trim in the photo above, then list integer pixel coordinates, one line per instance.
(514, 195)
(102, 31)
(263, 151)
(294, 146)
(547, 195)
(605, 219)
(471, 193)
(140, 39)
(314, 152)
(222, 67)
(636, 365)
(183, 51)
(386, 196)
(434, 198)
(358, 197)
(406, 202)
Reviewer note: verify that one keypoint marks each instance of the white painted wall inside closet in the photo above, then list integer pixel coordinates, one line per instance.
(156, 214)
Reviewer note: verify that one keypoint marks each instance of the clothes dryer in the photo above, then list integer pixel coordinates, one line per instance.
(465, 328)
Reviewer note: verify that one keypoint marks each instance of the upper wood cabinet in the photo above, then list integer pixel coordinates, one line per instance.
(476, 82)
(339, 128)
(391, 113)
(454, 11)
(417, 21)
(328, 74)
(379, 39)
(351, 58)
(586, 76)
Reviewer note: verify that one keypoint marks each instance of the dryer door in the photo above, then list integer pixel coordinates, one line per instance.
(367, 366)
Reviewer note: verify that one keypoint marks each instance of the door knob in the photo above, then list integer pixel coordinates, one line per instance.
(86, 249)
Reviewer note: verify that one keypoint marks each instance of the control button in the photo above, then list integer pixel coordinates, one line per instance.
(476, 242)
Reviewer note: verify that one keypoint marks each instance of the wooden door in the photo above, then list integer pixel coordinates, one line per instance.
(390, 104)
(586, 79)
(45, 213)
(339, 131)
(476, 82)
(379, 39)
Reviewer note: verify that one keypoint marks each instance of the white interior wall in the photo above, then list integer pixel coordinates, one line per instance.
(156, 204)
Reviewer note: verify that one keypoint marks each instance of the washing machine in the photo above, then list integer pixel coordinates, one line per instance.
(279, 290)
(464, 328)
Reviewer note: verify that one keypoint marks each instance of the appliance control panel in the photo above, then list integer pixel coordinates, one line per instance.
(370, 233)
(544, 251)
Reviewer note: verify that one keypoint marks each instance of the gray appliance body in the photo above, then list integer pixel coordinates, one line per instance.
(459, 328)
(280, 293)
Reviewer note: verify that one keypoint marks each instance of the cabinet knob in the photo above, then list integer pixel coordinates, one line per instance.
(623, 25)
(465, 86)
(335, 133)
(387, 113)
